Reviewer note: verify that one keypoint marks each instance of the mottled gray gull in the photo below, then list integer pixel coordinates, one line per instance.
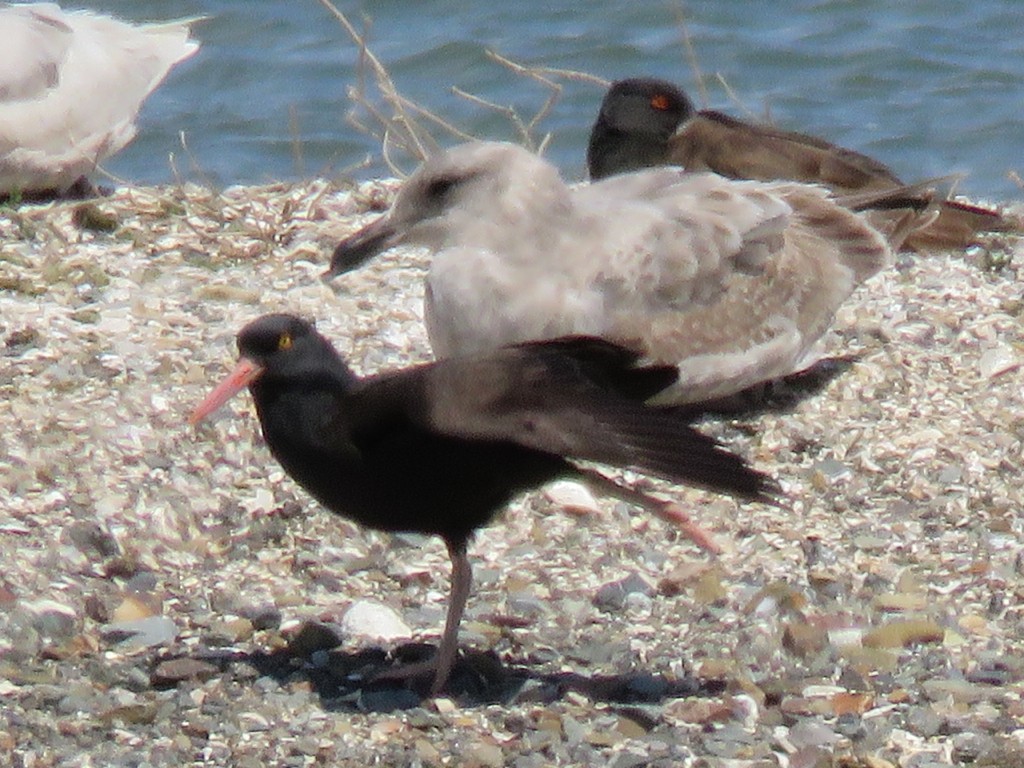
(71, 84)
(731, 281)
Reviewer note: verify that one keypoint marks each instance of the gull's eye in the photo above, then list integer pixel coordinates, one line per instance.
(284, 342)
(660, 102)
(441, 186)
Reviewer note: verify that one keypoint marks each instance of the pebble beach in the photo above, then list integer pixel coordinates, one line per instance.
(170, 597)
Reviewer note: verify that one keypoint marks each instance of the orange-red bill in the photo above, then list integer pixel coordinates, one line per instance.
(243, 374)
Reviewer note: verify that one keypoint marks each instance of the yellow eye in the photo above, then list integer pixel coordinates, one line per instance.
(284, 342)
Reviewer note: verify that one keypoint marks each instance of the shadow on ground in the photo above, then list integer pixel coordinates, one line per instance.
(345, 680)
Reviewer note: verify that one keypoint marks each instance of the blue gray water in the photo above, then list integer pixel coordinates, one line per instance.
(930, 86)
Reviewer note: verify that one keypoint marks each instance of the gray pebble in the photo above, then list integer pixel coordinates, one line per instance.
(313, 636)
(612, 596)
(812, 733)
(51, 619)
(141, 633)
(83, 697)
(262, 615)
(923, 721)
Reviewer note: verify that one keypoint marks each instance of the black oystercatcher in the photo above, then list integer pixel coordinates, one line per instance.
(732, 282)
(645, 122)
(441, 448)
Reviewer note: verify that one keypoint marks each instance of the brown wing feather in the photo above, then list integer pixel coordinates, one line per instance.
(542, 396)
(716, 142)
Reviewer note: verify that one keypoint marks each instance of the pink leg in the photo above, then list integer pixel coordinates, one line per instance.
(668, 511)
(462, 581)
(441, 664)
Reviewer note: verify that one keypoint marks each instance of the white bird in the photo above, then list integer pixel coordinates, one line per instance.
(71, 85)
(733, 281)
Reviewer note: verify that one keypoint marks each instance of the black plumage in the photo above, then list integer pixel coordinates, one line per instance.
(441, 448)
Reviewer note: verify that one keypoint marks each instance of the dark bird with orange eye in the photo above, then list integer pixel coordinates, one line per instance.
(441, 448)
(646, 122)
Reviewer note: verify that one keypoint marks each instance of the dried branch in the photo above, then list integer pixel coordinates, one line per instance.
(691, 54)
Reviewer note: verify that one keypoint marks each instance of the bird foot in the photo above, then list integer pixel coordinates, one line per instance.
(673, 513)
(416, 670)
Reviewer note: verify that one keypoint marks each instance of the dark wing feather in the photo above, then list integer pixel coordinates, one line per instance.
(730, 147)
(549, 397)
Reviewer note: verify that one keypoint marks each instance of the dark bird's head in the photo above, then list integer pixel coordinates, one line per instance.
(272, 347)
(638, 116)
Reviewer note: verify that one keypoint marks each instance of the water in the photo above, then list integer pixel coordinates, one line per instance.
(930, 87)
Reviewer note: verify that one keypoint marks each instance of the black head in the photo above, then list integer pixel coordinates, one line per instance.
(638, 117)
(283, 343)
(271, 335)
(278, 350)
(645, 106)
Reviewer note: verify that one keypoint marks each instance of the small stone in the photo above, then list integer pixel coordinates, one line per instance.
(902, 634)
(307, 745)
(572, 497)
(960, 691)
(23, 338)
(88, 216)
(803, 640)
(852, 703)
(427, 752)
(253, 721)
(92, 540)
(802, 706)
(630, 728)
(901, 601)
(774, 598)
(262, 616)
(831, 470)
(812, 733)
(230, 631)
(52, 619)
(141, 582)
(998, 359)
(923, 721)
(174, 671)
(374, 622)
(968, 747)
(133, 608)
(483, 755)
(313, 636)
(975, 624)
(140, 633)
(630, 759)
(868, 661)
(527, 607)
(811, 757)
(698, 711)
(710, 587)
(868, 542)
(86, 316)
(990, 676)
(225, 292)
(142, 713)
(612, 596)
(680, 577)
(83, 697)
